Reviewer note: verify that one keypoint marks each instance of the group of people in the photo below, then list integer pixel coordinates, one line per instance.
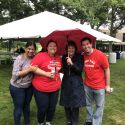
(39, 75)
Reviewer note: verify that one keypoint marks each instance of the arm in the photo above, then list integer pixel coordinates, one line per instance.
(107, 79)
(18, 70)
(27, 70)
(35, 70)
(105, 65)
(77, 65)
(24, 72)
(38, 71)
(37, 61)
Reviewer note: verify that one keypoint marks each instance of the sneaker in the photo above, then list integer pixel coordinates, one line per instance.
(69, 123)
(40, 123)
(88, 123)
(48, 123)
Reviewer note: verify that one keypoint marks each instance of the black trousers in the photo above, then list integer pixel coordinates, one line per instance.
(72, 115)
(46, 104)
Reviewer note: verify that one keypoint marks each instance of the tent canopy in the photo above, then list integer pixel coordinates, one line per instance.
(42, 24)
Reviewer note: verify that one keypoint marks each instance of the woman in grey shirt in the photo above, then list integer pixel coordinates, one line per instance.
(20, 84)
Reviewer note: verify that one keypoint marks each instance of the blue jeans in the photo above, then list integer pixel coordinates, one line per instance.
(46, 104)
(21, 99)
(97, 96)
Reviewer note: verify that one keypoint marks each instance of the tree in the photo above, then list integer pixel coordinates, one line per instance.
(89, 11)
(116, 15)
(49, 5)
(73, 10)
(11, 10)
(98, 12)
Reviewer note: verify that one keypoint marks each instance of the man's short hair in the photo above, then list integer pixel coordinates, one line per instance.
(86, 38)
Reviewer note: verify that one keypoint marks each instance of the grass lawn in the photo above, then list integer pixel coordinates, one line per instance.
(114, 113)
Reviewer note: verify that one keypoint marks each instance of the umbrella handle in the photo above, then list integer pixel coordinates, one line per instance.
(68, 54)
(69, 65)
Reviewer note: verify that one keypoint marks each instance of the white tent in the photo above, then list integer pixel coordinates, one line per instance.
(42, 24)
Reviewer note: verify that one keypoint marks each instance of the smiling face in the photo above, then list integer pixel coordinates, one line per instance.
(30, 51)
(87, 46)
(71, 51)
(52, 48)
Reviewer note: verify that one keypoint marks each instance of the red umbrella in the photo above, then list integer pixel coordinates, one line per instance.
(62, 38)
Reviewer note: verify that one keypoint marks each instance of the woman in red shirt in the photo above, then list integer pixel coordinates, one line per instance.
(46, 89)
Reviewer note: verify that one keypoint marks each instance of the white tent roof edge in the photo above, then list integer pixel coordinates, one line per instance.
(42, 24)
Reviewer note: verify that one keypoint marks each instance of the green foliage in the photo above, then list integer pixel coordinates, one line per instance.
(11, 10)
(96, 12)
(89, 10)
(117, 15)
(114, 113)
(50, 5)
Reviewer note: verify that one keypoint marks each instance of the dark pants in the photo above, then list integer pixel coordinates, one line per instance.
(46, 104)
(72, 115)
(21, 99)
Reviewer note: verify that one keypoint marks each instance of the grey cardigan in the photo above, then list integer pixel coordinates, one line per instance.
(19, 64)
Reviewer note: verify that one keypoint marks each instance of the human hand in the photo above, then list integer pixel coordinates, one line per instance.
(108, 89)
(33, 68)
(69, 61)
(50, 75)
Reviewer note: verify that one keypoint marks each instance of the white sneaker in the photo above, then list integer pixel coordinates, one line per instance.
(48, 123)
(40, 123)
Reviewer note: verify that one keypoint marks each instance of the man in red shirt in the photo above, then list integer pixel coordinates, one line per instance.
(97, 81)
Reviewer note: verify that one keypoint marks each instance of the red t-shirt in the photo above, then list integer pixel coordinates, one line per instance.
(94, 66)
(47, 63)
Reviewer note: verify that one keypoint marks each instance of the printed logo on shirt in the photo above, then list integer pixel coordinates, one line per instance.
(54, 65)
(89, 63)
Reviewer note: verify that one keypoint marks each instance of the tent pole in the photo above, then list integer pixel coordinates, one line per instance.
(110, 47)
